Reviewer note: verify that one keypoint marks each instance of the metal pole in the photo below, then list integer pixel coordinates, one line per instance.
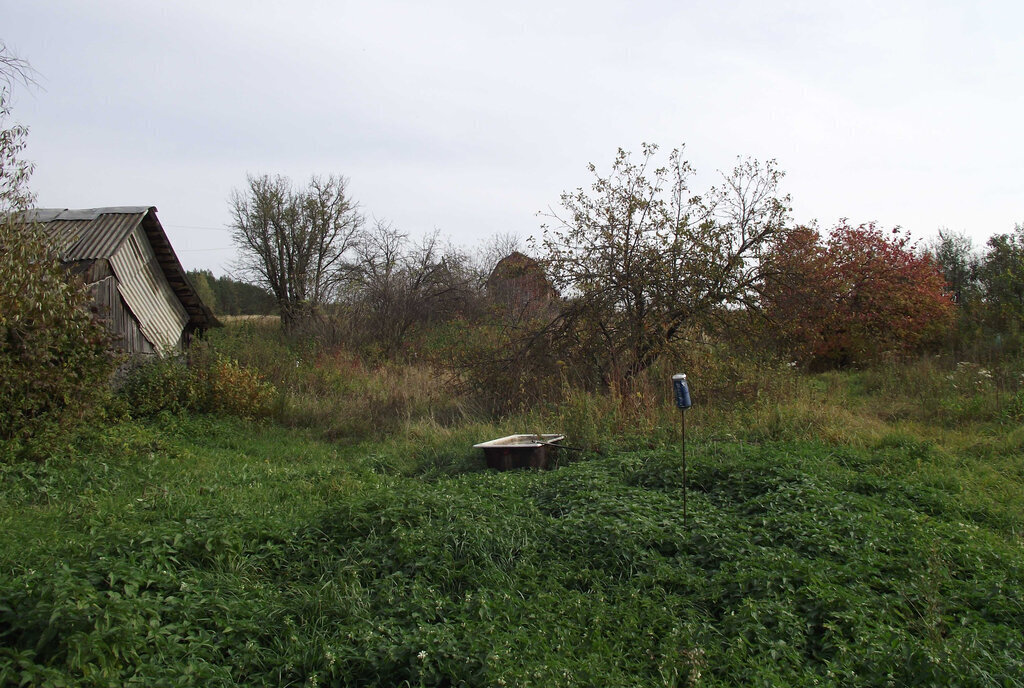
(682, 396)
(682, 417)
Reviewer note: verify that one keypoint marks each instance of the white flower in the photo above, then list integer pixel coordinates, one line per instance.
(422, 654)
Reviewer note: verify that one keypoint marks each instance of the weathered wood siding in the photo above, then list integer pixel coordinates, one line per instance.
(128, 336)
(142, 284)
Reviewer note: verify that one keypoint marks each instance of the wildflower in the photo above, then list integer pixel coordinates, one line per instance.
(422, 654)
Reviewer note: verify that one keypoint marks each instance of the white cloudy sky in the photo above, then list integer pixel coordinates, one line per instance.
(469, 117)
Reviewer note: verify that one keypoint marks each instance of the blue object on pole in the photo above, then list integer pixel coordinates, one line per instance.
(682, 391)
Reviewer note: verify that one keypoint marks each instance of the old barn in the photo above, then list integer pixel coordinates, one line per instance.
(518, 284)
(137, 282)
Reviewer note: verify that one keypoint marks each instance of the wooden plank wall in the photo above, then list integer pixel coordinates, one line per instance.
(128, 336)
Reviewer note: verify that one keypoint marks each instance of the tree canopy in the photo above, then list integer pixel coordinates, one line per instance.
(855, 295)
(293, 241)
(640, 259)
(228, 296)
(1001, 274)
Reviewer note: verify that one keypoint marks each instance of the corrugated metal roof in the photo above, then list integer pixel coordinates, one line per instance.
(91, 233)
(93, 239)
(199, 313)
(51, 214)
(152, 300)
(97, 233)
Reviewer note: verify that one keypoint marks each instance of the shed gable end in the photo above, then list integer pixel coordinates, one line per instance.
(146, 291)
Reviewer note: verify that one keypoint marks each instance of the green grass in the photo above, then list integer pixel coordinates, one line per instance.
(202, 551)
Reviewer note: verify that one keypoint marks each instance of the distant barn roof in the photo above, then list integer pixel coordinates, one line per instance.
(97, 233)
(517, 265)
(519, 281)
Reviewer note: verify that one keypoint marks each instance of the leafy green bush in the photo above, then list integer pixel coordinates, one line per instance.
(159, 384)
(54, 359)
(212, 383)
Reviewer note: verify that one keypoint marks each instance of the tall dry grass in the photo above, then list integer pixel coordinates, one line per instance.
(736, 396)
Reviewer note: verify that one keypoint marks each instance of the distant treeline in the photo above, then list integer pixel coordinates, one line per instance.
(226, 296)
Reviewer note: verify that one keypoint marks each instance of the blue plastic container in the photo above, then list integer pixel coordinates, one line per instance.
(682, 391)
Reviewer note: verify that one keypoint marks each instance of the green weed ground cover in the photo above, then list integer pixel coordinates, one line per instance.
(195, 551)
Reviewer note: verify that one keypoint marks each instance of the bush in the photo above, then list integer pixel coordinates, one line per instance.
(854, 298)
(157, 385)
(226, 387)
(54, 356)
(212, 384)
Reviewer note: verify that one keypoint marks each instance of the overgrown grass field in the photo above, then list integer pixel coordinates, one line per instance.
(288, 515)
(197, 550)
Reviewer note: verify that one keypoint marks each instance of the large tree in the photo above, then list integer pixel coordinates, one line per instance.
(955, 256)
(293, 240)
(1002, 278)
(958, 261)
(640, 259)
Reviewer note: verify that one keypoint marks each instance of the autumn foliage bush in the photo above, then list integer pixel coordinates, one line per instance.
(227, 387)
(855, 296)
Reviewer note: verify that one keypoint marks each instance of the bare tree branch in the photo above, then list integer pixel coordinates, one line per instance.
(294, 241)
(15, 70)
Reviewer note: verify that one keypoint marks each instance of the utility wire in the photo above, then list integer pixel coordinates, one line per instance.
(217, 229)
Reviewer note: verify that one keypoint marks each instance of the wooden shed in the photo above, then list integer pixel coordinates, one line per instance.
(137, 282)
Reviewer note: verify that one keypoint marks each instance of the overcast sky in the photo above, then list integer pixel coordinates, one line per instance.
(469, 117)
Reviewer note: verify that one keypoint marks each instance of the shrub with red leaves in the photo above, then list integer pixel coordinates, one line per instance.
(859, 294)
